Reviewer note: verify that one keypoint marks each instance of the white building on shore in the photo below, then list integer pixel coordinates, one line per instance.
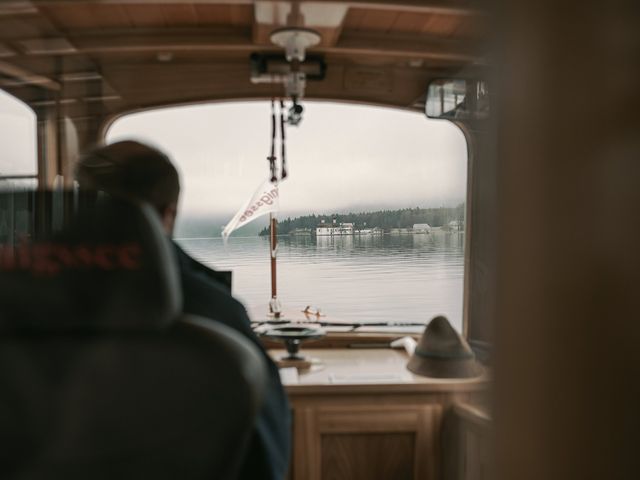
(421, 228)
(456, 225)
(333, 229)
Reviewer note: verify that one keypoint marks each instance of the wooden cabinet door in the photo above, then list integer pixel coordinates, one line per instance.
(365, 442)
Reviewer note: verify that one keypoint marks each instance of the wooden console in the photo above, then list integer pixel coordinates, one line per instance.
(363, 416)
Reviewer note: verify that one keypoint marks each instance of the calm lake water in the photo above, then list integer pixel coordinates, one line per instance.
(369, 278)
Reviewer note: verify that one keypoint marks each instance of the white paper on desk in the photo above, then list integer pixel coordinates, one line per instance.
(334, 329)
(390, 329)
(261, 328)
(369, 378)
(289, 376)
(408, 343)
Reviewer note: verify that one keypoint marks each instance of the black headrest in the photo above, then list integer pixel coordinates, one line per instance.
(108, 266)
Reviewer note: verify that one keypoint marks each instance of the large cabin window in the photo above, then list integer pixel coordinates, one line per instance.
(18, 167)
(18, 161)
(371, 217)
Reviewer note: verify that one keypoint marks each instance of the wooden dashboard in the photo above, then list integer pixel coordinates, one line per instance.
(358, 413)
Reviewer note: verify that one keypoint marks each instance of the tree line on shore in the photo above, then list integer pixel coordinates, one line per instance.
(385, 219)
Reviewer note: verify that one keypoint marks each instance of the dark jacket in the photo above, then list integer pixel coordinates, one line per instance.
(268, 453)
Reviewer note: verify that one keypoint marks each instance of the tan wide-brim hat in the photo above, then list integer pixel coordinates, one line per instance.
(443, 353)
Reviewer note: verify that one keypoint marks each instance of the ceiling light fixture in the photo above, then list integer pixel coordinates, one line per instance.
(295, 41)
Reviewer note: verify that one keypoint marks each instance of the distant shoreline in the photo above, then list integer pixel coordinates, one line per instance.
(283, 235)
(404, 218)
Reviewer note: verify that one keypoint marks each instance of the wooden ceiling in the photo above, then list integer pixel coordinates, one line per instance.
(103, 57)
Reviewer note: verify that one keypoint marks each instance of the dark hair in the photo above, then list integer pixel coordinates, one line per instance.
(133, 170)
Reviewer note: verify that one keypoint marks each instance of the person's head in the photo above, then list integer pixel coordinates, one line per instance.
(136, 171)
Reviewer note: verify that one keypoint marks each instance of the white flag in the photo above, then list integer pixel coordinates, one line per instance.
(265, 200)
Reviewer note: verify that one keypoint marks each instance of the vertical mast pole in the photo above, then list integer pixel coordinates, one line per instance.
(274, 246)
(273, 239)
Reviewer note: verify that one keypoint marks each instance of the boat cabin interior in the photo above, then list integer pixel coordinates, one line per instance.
(545, 95)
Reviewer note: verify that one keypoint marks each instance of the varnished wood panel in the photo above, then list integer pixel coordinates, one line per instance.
(407, 22)
(444, 25)
(375, 20)
(367, 425)
(338, 426)
(438, 24)
(88, 16)
(17, 28)
(180, 15)
(146, 15)
(354, 18)
(470, 27)
(236, 15)
(378, 20)
(100, 16)
(381, 456)
(467, 435)
(112, 16)
(366, 418)
(476, 456)
(70, 16)
(6, 51)
(353, 369)
(122, 40)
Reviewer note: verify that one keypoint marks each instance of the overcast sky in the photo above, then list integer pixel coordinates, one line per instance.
(341, 157)
(17, 137)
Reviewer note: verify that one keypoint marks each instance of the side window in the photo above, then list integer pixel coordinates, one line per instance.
(18, 167)
(18, 139)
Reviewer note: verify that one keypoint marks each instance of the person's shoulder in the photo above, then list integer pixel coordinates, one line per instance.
(207, 298)
(190, 264)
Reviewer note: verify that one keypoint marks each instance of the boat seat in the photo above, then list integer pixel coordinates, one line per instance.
(101, 376)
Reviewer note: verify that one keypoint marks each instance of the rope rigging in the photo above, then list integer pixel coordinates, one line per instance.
(272, 157)
(283, 157)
